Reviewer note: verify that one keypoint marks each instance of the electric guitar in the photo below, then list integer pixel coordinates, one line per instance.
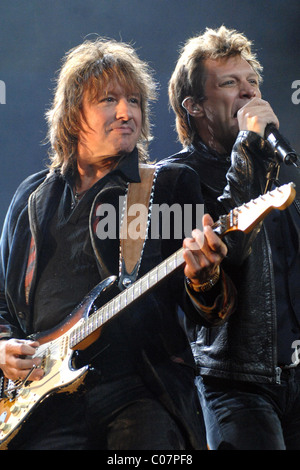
(79, 330)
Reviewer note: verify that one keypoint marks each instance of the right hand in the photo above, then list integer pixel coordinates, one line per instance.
(16, 359)
(203, 253)
(255, 116)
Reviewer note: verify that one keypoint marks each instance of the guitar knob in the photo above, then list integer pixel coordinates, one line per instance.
(4, 427)
(15, 409)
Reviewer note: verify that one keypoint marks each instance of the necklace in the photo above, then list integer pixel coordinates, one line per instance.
(77, 197)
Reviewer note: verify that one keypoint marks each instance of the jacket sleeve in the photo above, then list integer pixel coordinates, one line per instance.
(14, 234)
(8, 323)
(214, 307)
(251, 159)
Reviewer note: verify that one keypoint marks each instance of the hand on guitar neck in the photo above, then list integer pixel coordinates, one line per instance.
(203, 253)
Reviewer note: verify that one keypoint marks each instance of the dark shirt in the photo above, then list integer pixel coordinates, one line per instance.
(67, 269)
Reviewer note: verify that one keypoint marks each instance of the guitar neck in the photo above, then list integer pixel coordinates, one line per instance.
(127, 297)
(226, 223)
(141, 287)
(138, 289)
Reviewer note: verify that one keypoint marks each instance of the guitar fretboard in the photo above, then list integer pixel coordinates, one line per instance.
(126, 297)
(137, 289)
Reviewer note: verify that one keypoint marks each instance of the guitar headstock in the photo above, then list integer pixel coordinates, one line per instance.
(244, 218)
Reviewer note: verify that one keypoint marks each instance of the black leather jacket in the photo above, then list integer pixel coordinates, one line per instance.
(244, 348)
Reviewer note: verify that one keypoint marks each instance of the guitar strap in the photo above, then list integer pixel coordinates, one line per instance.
(134, 228)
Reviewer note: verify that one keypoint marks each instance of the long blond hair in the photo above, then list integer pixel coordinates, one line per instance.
(90, 67)
(188, 78)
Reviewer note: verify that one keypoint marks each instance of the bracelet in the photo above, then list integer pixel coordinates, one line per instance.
(206, 285)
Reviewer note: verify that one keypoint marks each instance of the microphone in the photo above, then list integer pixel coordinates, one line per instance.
(284, 152)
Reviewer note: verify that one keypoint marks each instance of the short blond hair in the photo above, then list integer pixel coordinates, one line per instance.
(90, 67)
(188, 78)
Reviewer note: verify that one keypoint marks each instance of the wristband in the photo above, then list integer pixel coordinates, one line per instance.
(205, 286)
